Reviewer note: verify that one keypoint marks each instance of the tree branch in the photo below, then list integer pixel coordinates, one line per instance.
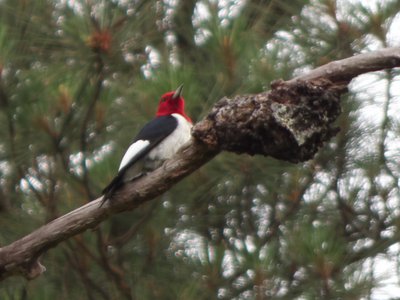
(345, 70)
(291, 122)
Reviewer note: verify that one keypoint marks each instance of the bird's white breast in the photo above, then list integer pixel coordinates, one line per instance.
(171, 144)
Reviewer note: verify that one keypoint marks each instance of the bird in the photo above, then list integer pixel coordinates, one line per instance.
(156, 142)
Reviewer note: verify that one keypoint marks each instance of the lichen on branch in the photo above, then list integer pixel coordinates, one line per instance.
(290, 122)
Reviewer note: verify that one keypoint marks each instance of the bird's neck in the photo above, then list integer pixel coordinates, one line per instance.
(161, 113)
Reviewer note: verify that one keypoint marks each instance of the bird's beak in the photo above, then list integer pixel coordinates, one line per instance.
(178, 92)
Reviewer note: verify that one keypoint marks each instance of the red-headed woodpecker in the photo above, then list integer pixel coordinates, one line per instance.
(157, 141)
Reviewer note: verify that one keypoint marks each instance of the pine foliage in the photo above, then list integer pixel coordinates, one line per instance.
(79, 78)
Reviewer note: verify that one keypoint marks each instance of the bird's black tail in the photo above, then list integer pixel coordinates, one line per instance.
(112, 187)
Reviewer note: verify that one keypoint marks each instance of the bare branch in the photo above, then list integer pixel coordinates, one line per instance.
(291, 122)
(345, 70)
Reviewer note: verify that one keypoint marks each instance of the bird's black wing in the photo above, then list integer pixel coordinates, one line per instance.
(154, 132)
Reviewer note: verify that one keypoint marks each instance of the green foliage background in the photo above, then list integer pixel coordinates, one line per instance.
(78, 78)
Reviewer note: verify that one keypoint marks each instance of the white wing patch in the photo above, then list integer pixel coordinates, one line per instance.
(132, 151)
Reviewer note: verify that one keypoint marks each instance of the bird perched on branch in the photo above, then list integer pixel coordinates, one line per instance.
(157, 141)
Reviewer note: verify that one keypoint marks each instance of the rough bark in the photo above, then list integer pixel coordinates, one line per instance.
(290, 122)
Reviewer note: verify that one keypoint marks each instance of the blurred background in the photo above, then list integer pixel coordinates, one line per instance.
(79, 78)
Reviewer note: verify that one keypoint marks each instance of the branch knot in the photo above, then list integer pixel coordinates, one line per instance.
(291, 122)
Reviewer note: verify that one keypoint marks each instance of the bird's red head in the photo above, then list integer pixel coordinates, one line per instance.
(172, 103)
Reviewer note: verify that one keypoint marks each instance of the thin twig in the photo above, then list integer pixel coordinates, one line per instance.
(344, 70)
